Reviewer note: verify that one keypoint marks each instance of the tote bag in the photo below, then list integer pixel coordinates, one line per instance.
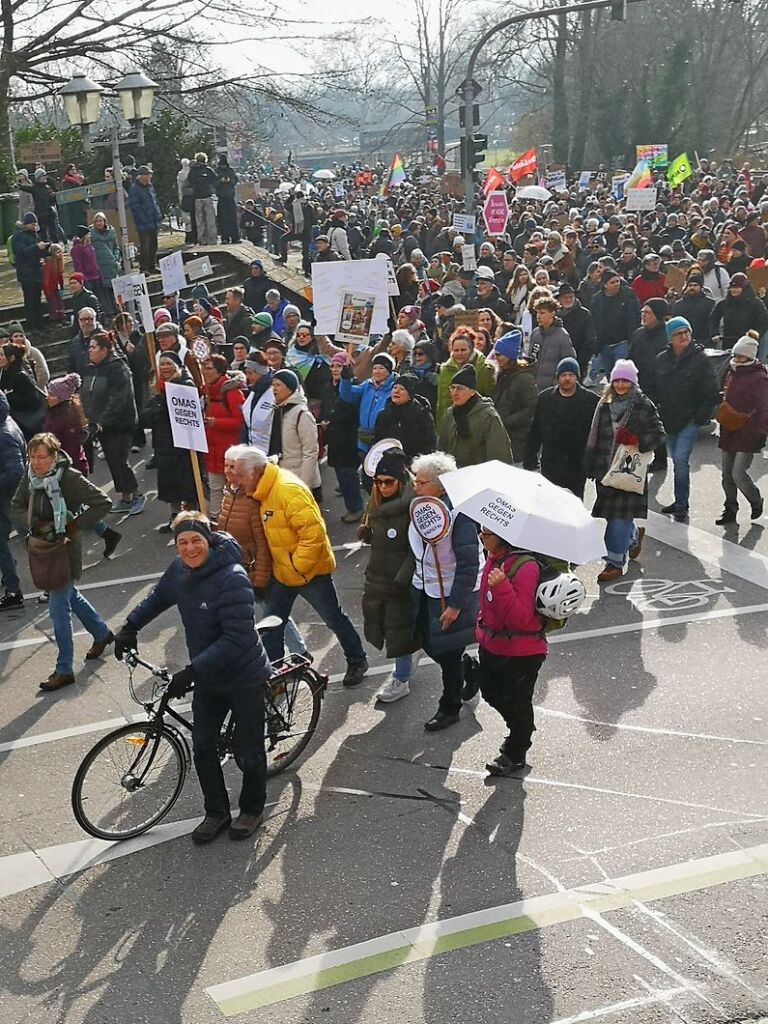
(629, 469)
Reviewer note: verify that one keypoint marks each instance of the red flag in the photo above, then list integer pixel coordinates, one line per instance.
(525, 164)
(493, 179)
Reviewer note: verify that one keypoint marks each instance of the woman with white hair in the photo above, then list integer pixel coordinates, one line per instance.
(444, 588)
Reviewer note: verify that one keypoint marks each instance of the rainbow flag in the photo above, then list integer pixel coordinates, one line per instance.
(641, 177)
(395, 176)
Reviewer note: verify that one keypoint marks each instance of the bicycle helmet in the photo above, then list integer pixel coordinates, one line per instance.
(560, 597)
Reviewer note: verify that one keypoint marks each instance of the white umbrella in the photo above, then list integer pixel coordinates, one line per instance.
(533, 192)
(324, 175)
(527, 510)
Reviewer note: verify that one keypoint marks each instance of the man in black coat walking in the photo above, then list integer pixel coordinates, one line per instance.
(685, 391)
(578, 322)
(560, 428)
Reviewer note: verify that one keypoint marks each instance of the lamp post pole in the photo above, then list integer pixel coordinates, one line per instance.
(468, 84)
(117, 174)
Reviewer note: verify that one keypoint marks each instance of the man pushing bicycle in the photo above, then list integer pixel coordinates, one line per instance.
(228, 666)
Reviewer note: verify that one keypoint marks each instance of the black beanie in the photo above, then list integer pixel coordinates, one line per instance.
(409, 381)
(466, 376)
(385, 360)
(394, 462)
(659, 308)
(608, 275)
(287, 377)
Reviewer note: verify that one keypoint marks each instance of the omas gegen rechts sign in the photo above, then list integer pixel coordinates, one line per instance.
(185, 410)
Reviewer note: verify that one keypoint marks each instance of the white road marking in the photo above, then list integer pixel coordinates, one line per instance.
(628, 1004)
(653, 730)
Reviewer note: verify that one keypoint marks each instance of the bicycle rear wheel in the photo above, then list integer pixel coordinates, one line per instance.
(292, 708)
(129, 781)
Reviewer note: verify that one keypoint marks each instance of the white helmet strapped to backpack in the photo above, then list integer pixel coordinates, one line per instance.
(560, 596)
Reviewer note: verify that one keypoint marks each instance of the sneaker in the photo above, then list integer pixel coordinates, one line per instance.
(120, 507)
(504, 767)
(637, 547)
(440, 721)
(137, 505)
(9, 600)
(355, 672)
(610, 573)
(210, 827)
(393, 690)
(352, 517)
(43, 598)
(245, 825)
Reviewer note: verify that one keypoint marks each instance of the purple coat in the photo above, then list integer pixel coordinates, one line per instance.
(84, 260)
(747, 391)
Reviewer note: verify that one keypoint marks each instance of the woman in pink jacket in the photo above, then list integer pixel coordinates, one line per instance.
(513, 646)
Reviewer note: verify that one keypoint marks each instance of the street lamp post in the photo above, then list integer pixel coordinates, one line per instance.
(82, 104)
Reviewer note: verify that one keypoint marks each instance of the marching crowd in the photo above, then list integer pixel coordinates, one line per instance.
(585, 343)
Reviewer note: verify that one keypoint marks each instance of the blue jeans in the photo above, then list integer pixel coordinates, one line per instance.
(61, 604)
(349, 483)
(620, 536)
(403, 668)
(10, 578)
(294, 641)
(321, 594)
(611, 353)
(680, 446)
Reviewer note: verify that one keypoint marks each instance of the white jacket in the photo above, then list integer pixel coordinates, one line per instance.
(299, 448)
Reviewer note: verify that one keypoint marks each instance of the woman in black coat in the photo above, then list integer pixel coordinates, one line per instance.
(24, 397)
(407, 417)
(312, 369)
(626, 416)
(341, 439)
(740, 312)
(132, 344)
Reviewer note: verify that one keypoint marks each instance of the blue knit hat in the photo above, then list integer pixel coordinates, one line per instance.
(288, 378)
(676, 323)
(509, 344)
(568, 365)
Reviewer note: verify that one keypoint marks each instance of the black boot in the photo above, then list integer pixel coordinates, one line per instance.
(728, 516)
(111, 539)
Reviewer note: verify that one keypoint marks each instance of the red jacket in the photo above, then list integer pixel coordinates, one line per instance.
(649, 287)
(223, 402)
(509, 608)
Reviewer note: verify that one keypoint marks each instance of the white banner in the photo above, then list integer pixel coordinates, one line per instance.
(199, 268)
(641, 199)
(185, 410)
(330, 280)
(464, 222)
(133, 288)
(172, 273)
(468, 257)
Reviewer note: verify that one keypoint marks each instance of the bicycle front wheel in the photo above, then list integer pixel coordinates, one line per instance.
(129, 781)
(292, 711)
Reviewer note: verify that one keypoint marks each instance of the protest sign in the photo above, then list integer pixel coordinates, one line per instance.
(197, 269)
(375, 452)
(185, 411)
(758, 278)
(393, 288)
(641, 199)
(464, 222)
(657, 156)
(468, 257)
(675, 278)
(469, 318)
(172, 273)
(555, 181)
(584, 179)
(366, 277)
(355, 315)
(431, 519)
(133, 288)
(618, 181)
(496, 212)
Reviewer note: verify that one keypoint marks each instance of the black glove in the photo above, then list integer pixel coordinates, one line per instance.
(181, 682)
(346, 371)
(126, 640)
(760, 443)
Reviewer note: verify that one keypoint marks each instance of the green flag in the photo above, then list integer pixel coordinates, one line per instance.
(679, 170)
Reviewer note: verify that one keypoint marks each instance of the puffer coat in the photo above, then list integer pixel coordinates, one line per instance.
(299, 450)
(746, 389)
(240, 516)
(224, 399)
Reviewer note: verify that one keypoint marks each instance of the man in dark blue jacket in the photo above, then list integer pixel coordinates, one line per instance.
(13, 452)
(147, 218)
(27, 253)
(211, 589)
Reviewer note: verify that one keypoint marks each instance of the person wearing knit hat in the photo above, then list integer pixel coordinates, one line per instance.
(466, 377)
(509, 345)
(339, 359)
(161, 316)
(77, 276)
(696, 305)
(739, 312)
(407, 416)
(63, 388)
(294, 431)
(383, 359)
(471, 429)
(624, 416)
(29, 218)
(291, 320)
(370, 397)
(685, 390)
(394, 462)
(170, 356)
(743, 427)
(569, 365)
(515, 393)
(287, 378)
(263, 320)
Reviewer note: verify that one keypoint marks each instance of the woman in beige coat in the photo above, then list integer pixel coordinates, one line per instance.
(294, 432)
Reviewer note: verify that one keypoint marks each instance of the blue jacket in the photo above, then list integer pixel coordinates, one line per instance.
(143, 203)
(278, 316)
(13, 453)
(216, 605)
(371, 398)
(27, 257)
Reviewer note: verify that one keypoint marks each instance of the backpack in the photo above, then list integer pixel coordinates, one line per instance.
(549, 569)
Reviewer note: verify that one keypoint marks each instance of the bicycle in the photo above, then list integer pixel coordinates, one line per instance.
(130, 780)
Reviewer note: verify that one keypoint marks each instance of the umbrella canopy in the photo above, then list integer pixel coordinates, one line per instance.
(533, 192)
(285, 186)
(324, 175)
(526, 510)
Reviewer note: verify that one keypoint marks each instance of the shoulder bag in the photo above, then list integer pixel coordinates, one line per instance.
(48, 560)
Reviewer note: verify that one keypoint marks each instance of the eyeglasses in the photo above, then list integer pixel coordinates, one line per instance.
(385, 481)
(86, 318)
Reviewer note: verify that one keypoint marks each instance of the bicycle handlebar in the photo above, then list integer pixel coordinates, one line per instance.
(132, 658)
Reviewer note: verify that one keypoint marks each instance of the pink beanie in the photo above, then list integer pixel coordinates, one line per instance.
(161, 315)
(624, 369)
(64, 388)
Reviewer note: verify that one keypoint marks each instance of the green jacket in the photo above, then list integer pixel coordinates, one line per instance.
(488, 438)
(85, 503)
(486, 380)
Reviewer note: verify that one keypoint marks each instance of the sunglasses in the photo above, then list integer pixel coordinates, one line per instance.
(385, 481)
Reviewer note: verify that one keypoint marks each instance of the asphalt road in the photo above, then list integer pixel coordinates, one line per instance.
(623, 879)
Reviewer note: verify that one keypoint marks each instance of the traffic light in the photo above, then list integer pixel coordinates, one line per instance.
(619, 10)
(473, 152)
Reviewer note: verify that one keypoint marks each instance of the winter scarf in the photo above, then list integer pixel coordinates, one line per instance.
(301, 361)
(51, 484)
(460, 414)
(625, 411)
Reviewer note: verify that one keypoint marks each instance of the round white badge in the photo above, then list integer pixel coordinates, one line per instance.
(391, 533)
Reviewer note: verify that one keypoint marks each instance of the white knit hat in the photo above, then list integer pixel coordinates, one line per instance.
(745, 346)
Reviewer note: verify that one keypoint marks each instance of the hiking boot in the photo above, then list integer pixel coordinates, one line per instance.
(355, 672)
(440, 721)
(56, 680)
(137, 504)
(680, 515)
(393, 690)
(9, 600)
(245, 825)
(669, 510)
(728, 516)
(637, 547)
(111, 539)
(504, 767)
(99, 646)
(210, 827)
(610, 573)
(757, 510)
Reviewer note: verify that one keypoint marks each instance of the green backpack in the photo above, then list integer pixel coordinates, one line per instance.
(549, 569)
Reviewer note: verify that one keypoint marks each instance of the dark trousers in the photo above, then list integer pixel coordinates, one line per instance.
(349, 482)
(209, 709)
(9, 578)
(147, 250)
(33, 304)
(116, 446)
(453, 680)
(321, 594)
(507, 685)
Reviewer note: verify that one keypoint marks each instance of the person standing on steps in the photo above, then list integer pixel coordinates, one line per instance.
(147, 218)
(228, 666)
(743, 418)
